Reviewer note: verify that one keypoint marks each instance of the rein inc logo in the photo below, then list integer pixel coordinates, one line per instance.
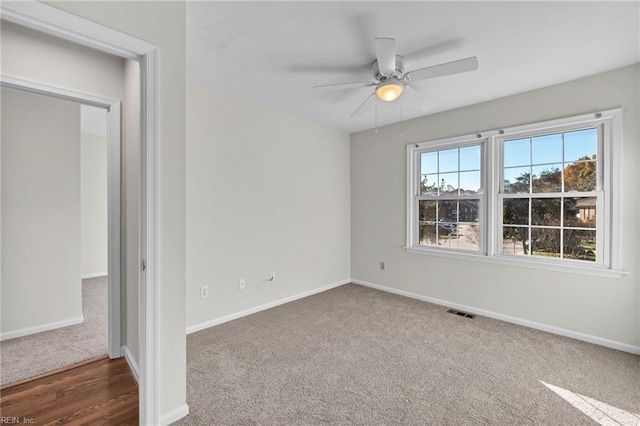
(17, 420)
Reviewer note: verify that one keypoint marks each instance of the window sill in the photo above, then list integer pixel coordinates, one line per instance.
(593, 271)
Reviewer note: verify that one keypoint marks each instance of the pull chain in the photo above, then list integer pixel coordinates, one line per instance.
(401, 124)
(376, 122)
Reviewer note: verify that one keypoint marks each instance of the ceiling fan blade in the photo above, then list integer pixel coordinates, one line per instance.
(425, 102)
(341, 86)
(455, 67)
(362, 108)
(386, 54)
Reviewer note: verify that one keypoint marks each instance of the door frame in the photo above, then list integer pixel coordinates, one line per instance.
(58, 23)
(113, 108)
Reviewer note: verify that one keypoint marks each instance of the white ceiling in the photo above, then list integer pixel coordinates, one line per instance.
(273, 53)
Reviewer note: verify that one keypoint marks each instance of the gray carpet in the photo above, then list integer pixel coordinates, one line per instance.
(358, 356)
(40, 353)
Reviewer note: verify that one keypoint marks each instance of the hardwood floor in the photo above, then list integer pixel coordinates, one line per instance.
(102, 392)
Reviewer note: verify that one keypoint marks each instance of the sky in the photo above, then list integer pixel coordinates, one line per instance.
(542, 152)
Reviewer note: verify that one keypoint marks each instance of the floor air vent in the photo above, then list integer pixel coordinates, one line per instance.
(460, 313)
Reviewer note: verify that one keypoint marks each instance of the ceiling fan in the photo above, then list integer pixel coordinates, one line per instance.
(390, 78)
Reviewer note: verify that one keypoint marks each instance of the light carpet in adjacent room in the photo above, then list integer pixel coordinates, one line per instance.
(40, 353)
(358, 356)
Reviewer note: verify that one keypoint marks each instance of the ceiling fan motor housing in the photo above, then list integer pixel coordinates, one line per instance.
(397, 74)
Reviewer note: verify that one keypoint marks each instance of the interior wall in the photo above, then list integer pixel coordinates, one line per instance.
(41, 285)
(93, 190)
(266, 192)
(164, 25)
(603, 307)
(33, 56)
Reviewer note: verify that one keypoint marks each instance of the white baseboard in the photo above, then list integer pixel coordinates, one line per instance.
(133, 365)
(174, 415)
(40, 328)
(625, 347)
(226, 318)
(94, 275)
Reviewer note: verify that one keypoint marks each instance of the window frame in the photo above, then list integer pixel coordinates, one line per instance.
(414, 197)
(609, 181)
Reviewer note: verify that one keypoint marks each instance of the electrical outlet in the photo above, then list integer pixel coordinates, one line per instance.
(241, 284)
(204, 292)
(272, 277)
(383, 265)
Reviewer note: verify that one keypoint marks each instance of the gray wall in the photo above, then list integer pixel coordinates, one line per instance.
(603, 307)
(266, 192)
(41, 285)
(93, 189)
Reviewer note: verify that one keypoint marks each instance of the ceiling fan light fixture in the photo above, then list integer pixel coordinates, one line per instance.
(390, 91)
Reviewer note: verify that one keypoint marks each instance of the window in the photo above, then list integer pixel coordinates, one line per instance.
(545, 194)
(449, 199)
(550, 192)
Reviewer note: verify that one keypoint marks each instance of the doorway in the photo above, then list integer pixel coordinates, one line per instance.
(48, 20)
(60, 185)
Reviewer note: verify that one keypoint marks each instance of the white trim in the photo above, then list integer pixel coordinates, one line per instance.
(230, 317)
(114, 127)
(413, 188)
(559, 124)
(614, 149)
(625, 347)
(609, 262)
(113, 188)
(41, 328)
(133, 365)
(94, 275)
(44, 18)
(174, 415)
(58, 23)
(565, 265)
(56, 91)
(149, 279)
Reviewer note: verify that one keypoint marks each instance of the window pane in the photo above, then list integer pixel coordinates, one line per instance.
(545, 242)
(515, 211)
(468, 211)
(545, 211)
(547, 149)
(580, 212)
(517, 152)
(448, 211)
(517, 179)
(468, 224)
(470, 158)
(469, 182)
(580, 176)
(448, 183)
(547, 178)
(429, 162)
(427, 211)
(448, 235)
(448, 160)
(515, 240)
(469, 235)
(579, 245)
(427, 234)
(429, 185)
(580, 144)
